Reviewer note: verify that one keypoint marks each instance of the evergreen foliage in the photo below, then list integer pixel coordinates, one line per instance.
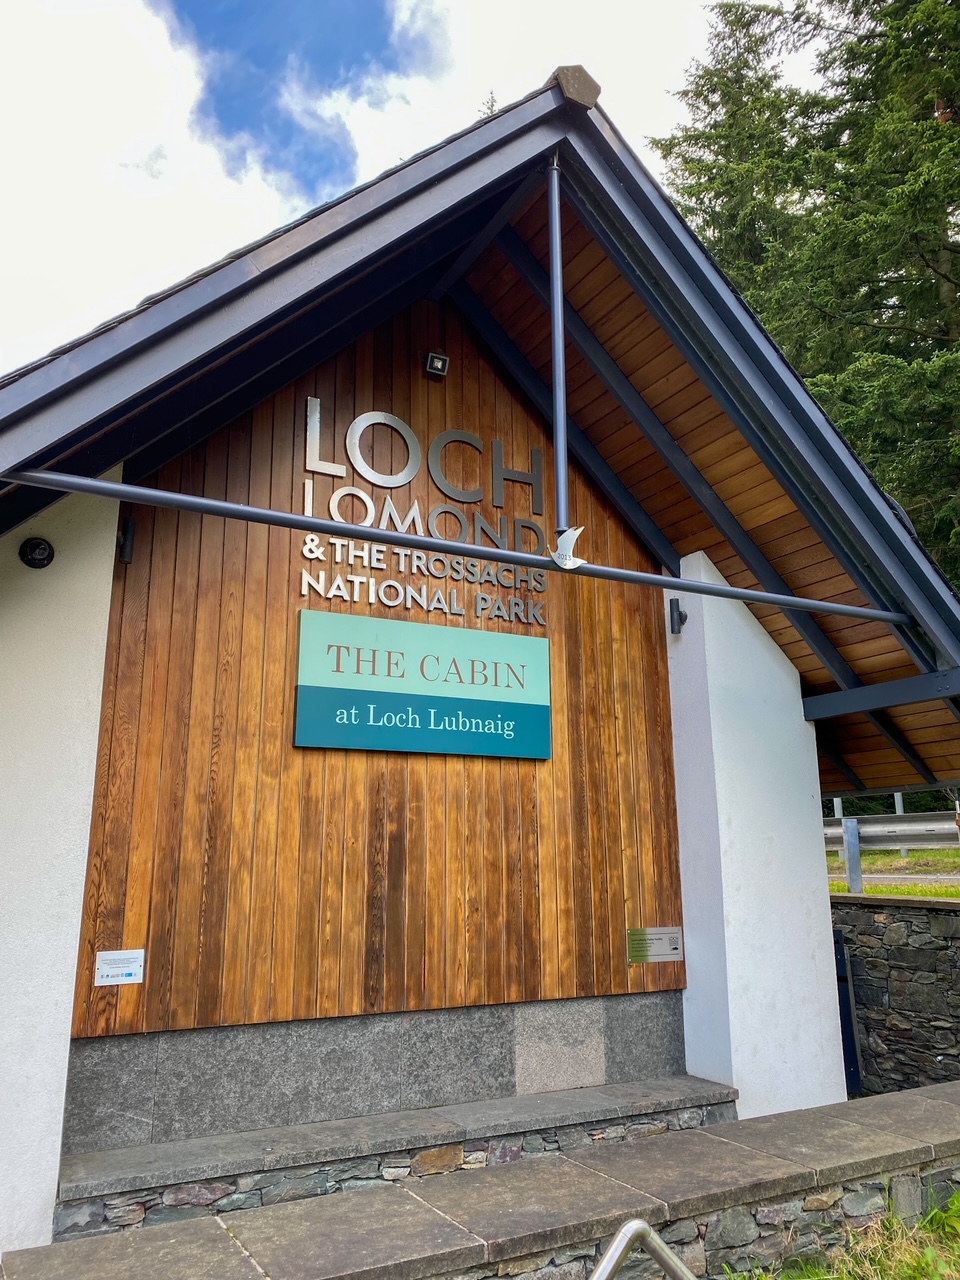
(836, 212)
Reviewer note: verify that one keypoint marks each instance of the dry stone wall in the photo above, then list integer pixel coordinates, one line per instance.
(905, 967)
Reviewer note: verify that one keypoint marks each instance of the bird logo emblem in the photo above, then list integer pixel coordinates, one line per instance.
(563, 555)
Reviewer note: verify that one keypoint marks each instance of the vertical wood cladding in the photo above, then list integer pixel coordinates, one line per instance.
(267, 882)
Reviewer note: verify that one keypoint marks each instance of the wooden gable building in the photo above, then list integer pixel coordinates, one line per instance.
(334, 930)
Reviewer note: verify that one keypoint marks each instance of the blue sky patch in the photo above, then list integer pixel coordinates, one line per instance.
(250, 47)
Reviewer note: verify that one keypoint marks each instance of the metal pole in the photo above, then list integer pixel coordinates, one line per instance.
(636, 1231)
(441, 546)
(557, 335)
(851, 855)
(898, 808)
(838, 813)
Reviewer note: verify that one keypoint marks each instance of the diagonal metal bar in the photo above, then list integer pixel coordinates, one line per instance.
(508, 210)
(200, 505)
(585, 453)
(689, 475)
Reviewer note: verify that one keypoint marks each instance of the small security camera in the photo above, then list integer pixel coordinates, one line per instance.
(36, 553)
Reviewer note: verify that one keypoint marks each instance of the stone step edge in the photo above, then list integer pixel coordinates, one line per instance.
(193, 1159)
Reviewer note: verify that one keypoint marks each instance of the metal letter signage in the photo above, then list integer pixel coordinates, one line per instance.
(372, 684)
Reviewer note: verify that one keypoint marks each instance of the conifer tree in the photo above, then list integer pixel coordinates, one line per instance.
(836, 211)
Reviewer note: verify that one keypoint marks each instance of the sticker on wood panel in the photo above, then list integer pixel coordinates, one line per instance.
(118, 968)
(654, 946)
(372, 684)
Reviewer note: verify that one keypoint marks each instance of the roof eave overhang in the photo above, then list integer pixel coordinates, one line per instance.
(752, 381)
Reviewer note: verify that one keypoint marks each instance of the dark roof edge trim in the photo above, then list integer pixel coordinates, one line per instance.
(751, 354)
(237, 274)
(178, 347)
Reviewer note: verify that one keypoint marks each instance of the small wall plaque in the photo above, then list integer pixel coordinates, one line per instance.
(654, 946)
(118, 968)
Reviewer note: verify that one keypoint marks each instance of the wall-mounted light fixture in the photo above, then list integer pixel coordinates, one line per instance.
(125, 536)
(678, 616)
(36, 553)
(437, 364)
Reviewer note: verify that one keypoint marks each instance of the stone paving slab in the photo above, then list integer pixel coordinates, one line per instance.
(949, 1092)
(532, 1111)
(198, 1249)
(665, 1095)
(377, 1233)
(835, 1149)
(693, 1172)
(537, 1204)
(911, 1114)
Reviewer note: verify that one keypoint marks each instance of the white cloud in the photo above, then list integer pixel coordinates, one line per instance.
(111, 192)
(638, 50)
(114, 189)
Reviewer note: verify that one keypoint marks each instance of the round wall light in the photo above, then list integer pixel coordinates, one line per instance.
(36, 553)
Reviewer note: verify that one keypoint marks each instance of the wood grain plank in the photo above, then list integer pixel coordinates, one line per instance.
(187, 940)
(233, 996)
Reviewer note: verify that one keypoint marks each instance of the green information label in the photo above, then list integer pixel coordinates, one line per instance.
(372, 684)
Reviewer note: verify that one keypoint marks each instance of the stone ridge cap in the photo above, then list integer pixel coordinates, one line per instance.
(148, 1165)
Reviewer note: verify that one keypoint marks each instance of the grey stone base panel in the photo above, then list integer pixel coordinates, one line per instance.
(169, 1085)
(726, 1199)
(107, 1191)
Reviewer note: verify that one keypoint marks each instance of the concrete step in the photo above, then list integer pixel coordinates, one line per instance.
(106, 1191)
(749, 1193)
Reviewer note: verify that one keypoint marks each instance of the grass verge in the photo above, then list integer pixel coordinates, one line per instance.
(924, 862)
(892, 1251)
(905, 890)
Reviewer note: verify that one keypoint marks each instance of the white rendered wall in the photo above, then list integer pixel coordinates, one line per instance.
(760, 1009)
(53, 628)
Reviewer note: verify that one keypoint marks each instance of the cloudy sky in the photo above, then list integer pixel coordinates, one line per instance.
(142, 139)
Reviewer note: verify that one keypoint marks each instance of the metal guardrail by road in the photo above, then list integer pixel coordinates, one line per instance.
(887, 831)
(636, 1231)
(896, 831)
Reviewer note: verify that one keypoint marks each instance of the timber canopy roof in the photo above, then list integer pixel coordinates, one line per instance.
(681, 408)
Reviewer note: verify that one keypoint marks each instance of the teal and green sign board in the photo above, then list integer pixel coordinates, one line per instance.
(371, 684)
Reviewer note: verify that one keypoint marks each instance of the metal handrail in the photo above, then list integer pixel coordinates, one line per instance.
(636, 1231)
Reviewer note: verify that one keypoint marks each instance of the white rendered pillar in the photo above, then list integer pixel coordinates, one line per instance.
(53, 629)
(760, 1009)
